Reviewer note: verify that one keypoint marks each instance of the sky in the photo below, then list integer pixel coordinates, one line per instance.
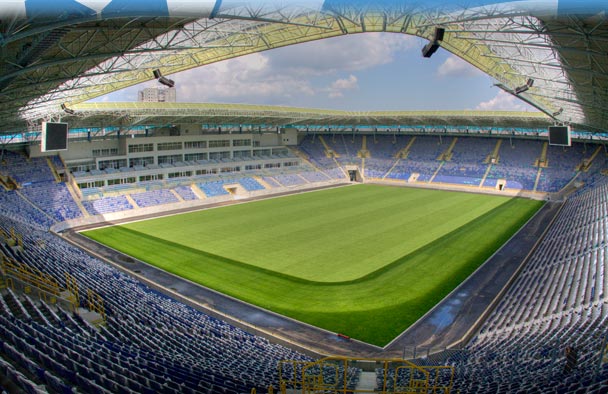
(358, 72)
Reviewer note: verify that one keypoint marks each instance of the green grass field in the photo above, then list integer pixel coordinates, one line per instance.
(366, 261)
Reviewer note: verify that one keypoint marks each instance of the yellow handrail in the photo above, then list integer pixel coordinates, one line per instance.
(395, 376)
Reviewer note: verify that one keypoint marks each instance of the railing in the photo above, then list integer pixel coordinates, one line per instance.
(72, 286)
(46, 284)
(96, 305)
(24, 276)
(335, 375)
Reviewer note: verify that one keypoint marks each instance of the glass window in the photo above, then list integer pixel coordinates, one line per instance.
(169, 146)
(219, 144)
(138, 148)
(195, 144)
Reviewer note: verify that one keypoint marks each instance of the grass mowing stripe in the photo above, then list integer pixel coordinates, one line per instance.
(337, 235)
(373, 306)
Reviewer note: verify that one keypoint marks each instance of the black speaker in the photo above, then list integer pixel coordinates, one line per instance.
(433, 45)
(429, 49)
(157, 73)
(439, 32)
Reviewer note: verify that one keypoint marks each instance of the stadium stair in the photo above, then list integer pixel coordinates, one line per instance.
(76, 199)
(8, 183)
(176, 194)
(586, 164)
(403, 153)
(302, 157)
(131, 201)
(329, 152)
(485, 176)
(493, 158)
(542, 160)
(363, 153)
(436, 172)
(262, 182)
(277, 181)
(367, 382)
(332, 154)
(538, 174)
(447, 155)
(53, 170)
(392, 168)
(341, 169)
(363, 166)
(304, 179)
(198, 192)
(35, 206)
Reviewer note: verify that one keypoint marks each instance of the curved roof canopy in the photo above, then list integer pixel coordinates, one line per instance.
(550, 53)
(134, 114)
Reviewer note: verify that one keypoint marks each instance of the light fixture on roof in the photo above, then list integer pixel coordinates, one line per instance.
(523, 88)
(166, 81)
(433, 45)
(163, 80)
(67, 110)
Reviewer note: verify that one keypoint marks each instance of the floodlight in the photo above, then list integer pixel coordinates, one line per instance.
(433, 45)
(166, 81)
(521, 89)
(67, 110)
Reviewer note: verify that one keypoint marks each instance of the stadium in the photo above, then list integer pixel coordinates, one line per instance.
(239, 248)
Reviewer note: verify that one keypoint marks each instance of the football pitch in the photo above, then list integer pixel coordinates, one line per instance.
(366, 261)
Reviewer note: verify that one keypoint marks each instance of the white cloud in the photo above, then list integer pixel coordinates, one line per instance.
(345, 83)
(277, 76)
(456, 67)
(337, 88)
(245, 79)
(346, 53)
(504, 101)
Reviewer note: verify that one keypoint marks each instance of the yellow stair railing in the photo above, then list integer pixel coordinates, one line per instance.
(96, 305)
(46, 284)
(72, 287)
(330, 375)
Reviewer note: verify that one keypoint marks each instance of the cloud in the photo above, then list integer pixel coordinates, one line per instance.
(337, 88)
(354, 52)
(277, 77)
(504, 101)
(456, 67)
(245, 79)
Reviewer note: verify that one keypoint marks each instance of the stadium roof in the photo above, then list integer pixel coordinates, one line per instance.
(88, 114)
(550, 53)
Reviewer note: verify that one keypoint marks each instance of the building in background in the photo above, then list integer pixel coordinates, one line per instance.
(157, 95)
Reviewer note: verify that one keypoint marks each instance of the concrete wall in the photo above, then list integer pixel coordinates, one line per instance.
(81, 150)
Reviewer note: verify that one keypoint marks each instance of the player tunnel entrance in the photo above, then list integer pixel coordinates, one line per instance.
(354, 173)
